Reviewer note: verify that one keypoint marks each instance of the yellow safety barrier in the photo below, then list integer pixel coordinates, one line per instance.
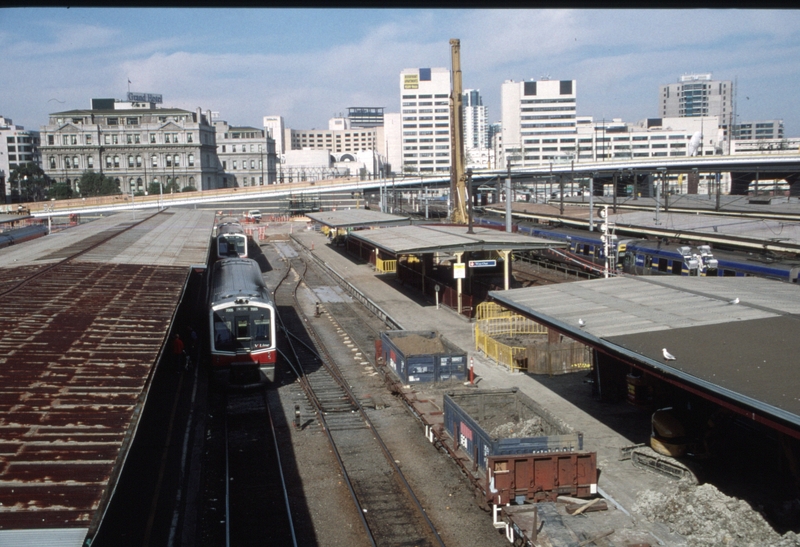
(551, 359)
(386, 266)
(502, 354)
(488, 310)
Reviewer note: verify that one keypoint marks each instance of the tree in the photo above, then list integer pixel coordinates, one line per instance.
(189, 189)
(154, 188)
(96, 184)
(60, 190)
(172, 187)
(31, 179)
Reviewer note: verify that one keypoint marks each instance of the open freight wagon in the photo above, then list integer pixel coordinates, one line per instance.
(505, 422)
(422, 356)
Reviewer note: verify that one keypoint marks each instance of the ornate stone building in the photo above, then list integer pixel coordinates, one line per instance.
(134, 143)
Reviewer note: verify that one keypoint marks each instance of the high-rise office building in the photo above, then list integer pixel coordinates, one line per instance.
(425, 110)
(697, 95)
(476, 126)
(17, 147)
(538, 121)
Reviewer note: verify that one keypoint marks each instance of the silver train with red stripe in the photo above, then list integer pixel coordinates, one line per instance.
(241, 315)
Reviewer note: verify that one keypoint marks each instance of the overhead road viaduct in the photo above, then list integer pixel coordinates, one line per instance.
(744, 169)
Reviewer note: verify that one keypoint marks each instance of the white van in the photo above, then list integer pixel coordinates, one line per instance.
(254, 215)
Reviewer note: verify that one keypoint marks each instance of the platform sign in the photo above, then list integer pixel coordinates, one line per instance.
(482, 263)
(459, 270)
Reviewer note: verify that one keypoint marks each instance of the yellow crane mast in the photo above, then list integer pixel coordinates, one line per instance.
(458, 187)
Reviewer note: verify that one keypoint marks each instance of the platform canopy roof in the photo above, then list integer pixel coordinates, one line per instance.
(734, 337)
(438, 238)
(357, 218)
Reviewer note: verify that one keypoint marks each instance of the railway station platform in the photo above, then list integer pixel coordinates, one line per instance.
(619, 481)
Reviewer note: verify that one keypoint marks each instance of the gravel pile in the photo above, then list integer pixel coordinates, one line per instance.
(519, 430)
(707, 517)
(414, 344)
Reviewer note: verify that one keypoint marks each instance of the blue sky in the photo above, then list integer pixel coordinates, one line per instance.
(311, 64)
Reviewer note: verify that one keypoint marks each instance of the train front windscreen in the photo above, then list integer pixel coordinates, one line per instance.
(242, 329)
(232, 245)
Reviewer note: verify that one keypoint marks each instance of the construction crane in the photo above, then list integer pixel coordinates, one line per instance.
(458, 176)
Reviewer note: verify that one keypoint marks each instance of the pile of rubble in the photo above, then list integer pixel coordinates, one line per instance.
(519, 430)
(707, 517)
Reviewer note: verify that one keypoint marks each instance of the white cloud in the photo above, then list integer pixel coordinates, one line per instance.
(618, 57)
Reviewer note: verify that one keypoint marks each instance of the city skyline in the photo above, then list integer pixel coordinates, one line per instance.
(309, 65)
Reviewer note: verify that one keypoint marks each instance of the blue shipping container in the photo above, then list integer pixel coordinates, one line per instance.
(469, 416)
(423, 356)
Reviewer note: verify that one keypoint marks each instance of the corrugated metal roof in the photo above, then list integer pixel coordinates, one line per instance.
(76, 356)
(442, 238)
(744, 351)
(350, 218)
(77, 348)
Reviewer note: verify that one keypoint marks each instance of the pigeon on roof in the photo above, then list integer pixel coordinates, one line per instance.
(581, 323)
(734, 301)
(667, 355)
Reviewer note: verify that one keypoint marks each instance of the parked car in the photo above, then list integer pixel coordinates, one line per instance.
(253, 215)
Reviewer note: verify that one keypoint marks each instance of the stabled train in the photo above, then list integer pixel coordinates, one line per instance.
(19, 235)
(231, 240)
(650, 257)
(241, 314)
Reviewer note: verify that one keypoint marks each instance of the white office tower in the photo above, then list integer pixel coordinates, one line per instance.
(697, 95)
(539, 122)
(476, 130)
(425, 110)
(273, 125)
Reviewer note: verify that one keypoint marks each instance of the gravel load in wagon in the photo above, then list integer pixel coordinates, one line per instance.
(503, 422)
(422, 356)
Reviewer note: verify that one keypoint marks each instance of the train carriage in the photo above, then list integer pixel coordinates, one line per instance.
(242, 323)
(652, 257)
(231, 240)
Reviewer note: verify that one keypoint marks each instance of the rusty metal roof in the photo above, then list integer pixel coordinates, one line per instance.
(78, 345)
(75, 359)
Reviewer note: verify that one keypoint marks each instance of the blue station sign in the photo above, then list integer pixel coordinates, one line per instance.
(482, 263)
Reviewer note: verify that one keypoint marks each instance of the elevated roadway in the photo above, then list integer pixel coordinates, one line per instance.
(763, 165)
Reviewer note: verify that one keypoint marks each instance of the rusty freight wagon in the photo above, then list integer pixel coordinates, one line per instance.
(503, 422)
(422, 356)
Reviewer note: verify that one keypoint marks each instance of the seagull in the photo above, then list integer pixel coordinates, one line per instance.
(581, 323)
(734, 301)
(667, 355)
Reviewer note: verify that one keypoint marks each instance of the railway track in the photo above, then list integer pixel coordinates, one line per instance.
(389, 510)
(257, 503)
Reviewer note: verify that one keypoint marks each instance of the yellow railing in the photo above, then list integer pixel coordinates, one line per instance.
(495, 322)
(385, 266)
(489, 310)
(502, 354)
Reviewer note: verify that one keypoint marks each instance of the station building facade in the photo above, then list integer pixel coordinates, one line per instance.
(134, 143)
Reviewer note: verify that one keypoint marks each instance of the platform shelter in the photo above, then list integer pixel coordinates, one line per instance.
(731, 341)
(427, 247)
